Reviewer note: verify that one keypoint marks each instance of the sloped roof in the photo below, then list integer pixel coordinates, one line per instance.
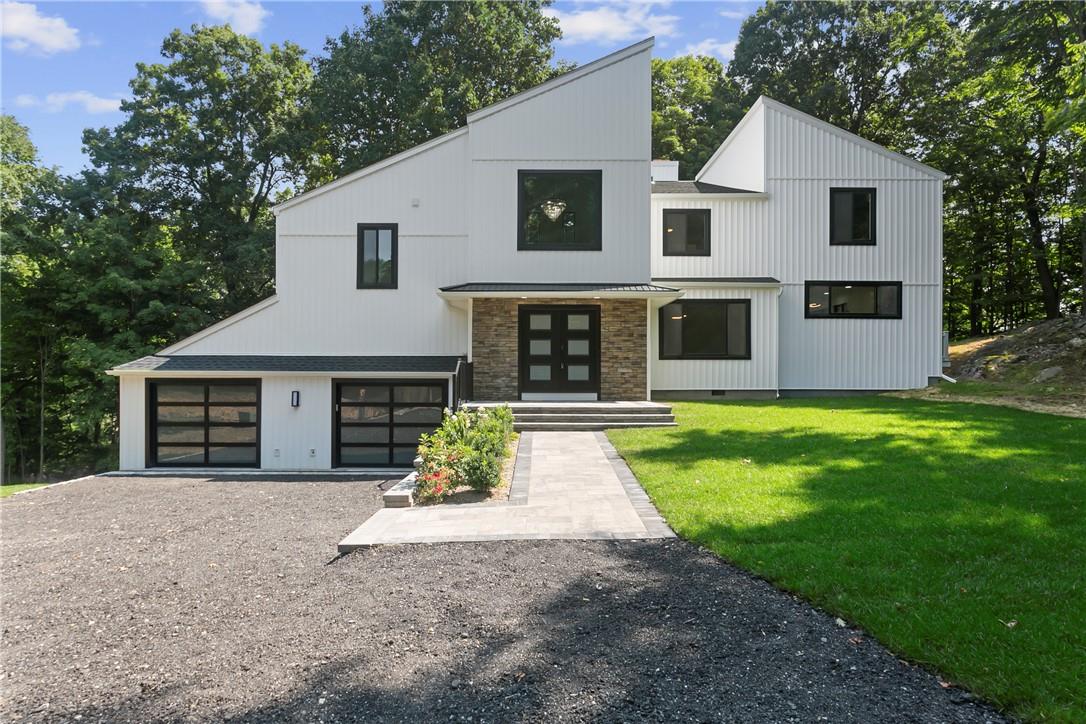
(695, 187)
(557, 287)
(290, 363)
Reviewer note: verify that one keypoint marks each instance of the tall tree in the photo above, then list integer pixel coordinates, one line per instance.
(214, 133)
(694, 104)
(414, 70)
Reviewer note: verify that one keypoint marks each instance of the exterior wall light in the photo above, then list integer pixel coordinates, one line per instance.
(295, 398)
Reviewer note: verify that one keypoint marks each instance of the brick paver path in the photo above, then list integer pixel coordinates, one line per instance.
(565, 485)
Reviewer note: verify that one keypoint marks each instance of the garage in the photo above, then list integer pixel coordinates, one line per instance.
(204, 423)
(378, 422)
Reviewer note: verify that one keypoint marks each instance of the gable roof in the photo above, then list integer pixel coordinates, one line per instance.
(696, 187)
(767, 102)
(290, 363)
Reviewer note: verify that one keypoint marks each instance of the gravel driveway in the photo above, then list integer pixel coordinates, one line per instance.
(138, 599)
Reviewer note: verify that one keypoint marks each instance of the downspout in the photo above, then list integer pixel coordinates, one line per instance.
(780, 292)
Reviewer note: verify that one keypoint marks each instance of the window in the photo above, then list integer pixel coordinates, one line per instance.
(870, 300)
(705, 329)
(560, 210)
(194, 423)
(377, 256)
(852, 217)
(686, 232)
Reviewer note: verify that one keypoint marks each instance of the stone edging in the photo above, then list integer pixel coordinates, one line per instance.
(650, 517)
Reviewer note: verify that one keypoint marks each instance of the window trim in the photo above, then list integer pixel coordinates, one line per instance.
(707, 213)
(522, 208)
(660, 329)
(359, 258)
(151, 445)
(873, 241)
(830, 315)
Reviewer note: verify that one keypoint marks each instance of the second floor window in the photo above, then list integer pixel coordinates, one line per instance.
(686, 232)
(560, 210)
(852, 217)
(866, 300)
(377, 256)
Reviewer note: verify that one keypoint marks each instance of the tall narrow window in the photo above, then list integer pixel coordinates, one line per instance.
(705, 329)
(852, 217)
(686, 232)
(560, 210)
(866, 300)
(377, 256)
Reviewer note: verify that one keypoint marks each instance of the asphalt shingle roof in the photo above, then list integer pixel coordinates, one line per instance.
(694, 187)
(290, 363)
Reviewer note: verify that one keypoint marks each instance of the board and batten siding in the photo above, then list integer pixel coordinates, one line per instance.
(133, 415)
(601, 120)
(757, 373)
(786, 236)
(294, 431)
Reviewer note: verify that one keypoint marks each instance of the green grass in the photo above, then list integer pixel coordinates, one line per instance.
(954, 533)
(12, 488)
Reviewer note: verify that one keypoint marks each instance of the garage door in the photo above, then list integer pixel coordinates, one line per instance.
(378, 423)
(198, 423)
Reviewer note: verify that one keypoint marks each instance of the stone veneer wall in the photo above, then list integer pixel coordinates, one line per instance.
(622, 346)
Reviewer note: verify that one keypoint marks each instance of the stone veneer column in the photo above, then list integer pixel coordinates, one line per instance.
(622, 346)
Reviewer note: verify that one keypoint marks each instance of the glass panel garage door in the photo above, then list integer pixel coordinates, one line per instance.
(197, 423)
(378, 423)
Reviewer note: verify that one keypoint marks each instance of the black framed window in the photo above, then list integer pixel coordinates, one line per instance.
(203, 423)
(377, 255)
(864, 300)
(686, 232)
(852, 216)
(705, 329)
(559, 210)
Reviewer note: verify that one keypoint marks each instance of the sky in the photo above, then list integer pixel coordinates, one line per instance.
(65, 66)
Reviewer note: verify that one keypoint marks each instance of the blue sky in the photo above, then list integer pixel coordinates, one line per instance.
(64, 66)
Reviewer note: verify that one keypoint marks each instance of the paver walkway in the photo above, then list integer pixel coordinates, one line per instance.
(565, 485)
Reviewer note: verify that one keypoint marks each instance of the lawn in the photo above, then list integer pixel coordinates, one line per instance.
(954, 533)
(11, 488)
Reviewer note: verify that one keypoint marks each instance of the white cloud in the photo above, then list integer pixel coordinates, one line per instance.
(735, 14)
(57, 102)
(23, 28)
(710, 46)
(613, 22)
(244, 16)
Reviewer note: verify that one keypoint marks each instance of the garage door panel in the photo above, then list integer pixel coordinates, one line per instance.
(378, 423)
(174, 455)
(232, 413)
(178, 413)
(206, 422)
(223, 455)
(232, 434)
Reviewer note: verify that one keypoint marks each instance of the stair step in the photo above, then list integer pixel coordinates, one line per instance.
(574, 426)
(582, 408)
(564, 417)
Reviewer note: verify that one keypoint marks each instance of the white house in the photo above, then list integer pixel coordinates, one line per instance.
(539, 253)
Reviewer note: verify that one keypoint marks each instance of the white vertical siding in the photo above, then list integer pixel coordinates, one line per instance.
(294, 431)
(757, 373)
(740, 161)
(133, 422)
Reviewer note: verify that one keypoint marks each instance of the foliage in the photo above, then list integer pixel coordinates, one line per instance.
(468, 449)
(413, 71)
(694, 105)
(953, 533)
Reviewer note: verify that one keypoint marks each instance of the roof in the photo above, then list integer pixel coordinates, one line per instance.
(476, 287)
(289, 363)
(561, 80)
(719, 280)
(695, 187)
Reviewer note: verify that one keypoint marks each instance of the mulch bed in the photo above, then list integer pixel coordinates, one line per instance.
(138, 599)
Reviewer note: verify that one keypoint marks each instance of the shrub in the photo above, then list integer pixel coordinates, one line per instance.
(467, 449)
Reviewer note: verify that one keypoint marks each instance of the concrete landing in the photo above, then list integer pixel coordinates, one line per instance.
(566, 485)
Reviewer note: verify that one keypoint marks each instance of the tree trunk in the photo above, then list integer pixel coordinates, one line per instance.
(42, 351)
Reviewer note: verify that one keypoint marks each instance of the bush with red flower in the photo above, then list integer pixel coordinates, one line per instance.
(467, 450)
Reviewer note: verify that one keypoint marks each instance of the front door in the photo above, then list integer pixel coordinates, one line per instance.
(559, 349)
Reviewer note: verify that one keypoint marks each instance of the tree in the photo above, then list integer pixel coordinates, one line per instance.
(214, 134)
(693, 106)
(413, 71)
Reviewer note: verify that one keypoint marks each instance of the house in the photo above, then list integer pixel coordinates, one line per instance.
(540, 253)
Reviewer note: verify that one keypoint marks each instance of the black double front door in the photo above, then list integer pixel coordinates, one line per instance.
(559, 349)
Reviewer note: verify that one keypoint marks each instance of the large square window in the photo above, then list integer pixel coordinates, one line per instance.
(852, 217)
(560, 210)
(377, 256)
(686, 232)
(705, 329)
(867, 300)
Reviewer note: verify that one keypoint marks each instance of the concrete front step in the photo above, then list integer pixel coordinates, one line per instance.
(580, 408)
(586, 426)
(584, 417)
